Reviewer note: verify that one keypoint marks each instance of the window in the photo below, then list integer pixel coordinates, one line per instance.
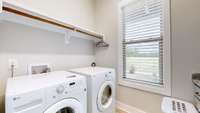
(145, 38)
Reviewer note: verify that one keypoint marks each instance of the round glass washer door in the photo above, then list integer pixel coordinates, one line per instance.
(66, 106)
(105, 96)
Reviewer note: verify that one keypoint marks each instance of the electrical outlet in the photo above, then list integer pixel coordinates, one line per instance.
(13, 62)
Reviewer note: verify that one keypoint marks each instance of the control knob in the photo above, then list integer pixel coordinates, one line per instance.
(60, 89)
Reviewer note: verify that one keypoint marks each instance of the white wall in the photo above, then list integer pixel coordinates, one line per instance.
(106, 22)
(77, 12)
(185, 46)
(185, 31)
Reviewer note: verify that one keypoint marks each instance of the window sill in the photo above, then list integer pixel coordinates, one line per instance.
(152, 88)
(143, 77)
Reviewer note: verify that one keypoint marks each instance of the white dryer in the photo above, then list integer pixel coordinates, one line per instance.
(101, 88)
(55, 92)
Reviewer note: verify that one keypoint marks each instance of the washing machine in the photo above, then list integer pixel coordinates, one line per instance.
(101, 88)
(55, 92)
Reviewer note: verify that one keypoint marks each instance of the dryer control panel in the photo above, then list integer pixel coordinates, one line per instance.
(108, 76)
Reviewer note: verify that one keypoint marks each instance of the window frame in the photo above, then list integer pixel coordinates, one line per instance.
(164, 89)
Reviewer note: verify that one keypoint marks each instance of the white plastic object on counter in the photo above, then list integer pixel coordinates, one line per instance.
(172, 105)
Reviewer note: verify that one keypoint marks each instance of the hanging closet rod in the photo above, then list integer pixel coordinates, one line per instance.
(70, 27)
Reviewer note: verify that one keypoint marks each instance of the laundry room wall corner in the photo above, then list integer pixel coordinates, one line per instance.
(106, 23)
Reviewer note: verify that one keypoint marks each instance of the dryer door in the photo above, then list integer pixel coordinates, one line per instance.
(66, 106)
(105, 96)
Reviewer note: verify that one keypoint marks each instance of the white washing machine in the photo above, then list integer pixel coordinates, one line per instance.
(101, 88)
(55, 92)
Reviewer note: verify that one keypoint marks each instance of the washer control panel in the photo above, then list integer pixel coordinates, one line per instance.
(65, 89)
(60, 89)
(108, 76)
(69, 87)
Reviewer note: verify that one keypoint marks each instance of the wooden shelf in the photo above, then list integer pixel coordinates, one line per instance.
(17, 13)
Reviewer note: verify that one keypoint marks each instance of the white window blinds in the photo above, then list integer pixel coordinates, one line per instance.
(142, 42)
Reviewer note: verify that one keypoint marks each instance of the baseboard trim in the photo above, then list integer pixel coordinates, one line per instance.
(127, 108)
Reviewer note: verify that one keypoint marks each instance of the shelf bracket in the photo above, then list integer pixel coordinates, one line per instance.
(67, 36)
(102, 43)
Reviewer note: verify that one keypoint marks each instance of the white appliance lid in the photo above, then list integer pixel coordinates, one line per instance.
(90, 71)
(23, 84)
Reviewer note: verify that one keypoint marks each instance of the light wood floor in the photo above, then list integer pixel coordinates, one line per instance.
(120, 111)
